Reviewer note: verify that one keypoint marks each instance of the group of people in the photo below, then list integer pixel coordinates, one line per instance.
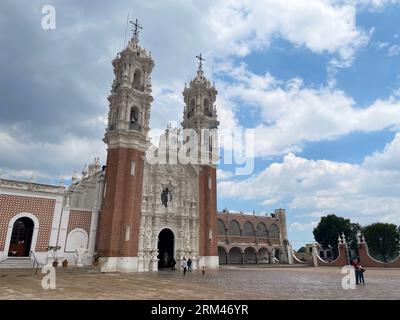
(186, 266)
(359, 271)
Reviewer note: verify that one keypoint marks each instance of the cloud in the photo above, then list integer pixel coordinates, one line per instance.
(394, 50)
(290, 113)
(298, 226)
(366, 192)
(54, 84)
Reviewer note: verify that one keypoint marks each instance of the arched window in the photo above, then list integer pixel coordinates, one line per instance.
(192, 106)
(137, 80)
(221, 227)
(234, 229)
(207, 110)
(261, 230)
(248, 229)
(274, 231)
(134, 119)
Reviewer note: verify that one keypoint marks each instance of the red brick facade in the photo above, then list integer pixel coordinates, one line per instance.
(122, 203)
(208, 211)
(79, 219)
(42, 208)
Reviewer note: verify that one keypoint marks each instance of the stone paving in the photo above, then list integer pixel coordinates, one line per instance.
(227, 283)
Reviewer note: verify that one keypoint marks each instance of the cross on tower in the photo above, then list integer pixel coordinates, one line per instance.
(201, 59)
(136, 27)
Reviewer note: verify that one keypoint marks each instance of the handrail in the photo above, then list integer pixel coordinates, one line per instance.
(35, 262)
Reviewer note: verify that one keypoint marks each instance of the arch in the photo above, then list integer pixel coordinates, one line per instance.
(137, 80)
(166, 252)
(223, 258)
(250, 255)
(234, 229)
(261, 230)
(21, 238)
(11, 226)
(221, 227)
(263, 255)
(134, 118)
(206, 104)
(248, 229)
(235, 256)
(277, 254)
(192, 107)
(274, 231)
(77, 238)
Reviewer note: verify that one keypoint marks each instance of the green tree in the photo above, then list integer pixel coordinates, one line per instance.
(302, 249)
(330, 227)
(383, 240)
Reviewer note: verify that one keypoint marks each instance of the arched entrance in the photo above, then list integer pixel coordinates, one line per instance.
(222, 255)
(235, 256)
(165, 249)
(250, 255)
(21, 238)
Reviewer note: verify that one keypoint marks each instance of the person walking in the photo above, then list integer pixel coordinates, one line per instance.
(184, 266)
(189, 265)
(173, 264)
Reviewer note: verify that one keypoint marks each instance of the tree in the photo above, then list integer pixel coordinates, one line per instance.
(330, 227)
(302, 249)
(383, 240)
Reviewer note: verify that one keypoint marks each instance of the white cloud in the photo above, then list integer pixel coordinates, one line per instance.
(389, 159)
(298, 226)
(394, 50)
(46, 160)
(290, 113)
(366, 192)
(240, 27)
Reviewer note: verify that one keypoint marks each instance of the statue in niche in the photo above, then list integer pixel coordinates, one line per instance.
(166, 196)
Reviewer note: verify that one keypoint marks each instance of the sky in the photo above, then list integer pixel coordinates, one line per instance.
(317, 82)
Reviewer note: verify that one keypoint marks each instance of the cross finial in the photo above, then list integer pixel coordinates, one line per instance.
(201, 59)
(136, 27)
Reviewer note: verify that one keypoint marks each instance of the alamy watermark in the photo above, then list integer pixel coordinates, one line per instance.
(203, 147)
(49, 18)
(349, 280)
(49, 280)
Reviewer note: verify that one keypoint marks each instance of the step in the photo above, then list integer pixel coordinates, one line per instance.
(16, 263)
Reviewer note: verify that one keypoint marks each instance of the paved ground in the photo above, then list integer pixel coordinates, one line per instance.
(227, 283)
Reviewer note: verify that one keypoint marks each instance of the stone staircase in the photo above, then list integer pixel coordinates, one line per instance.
(20, 263)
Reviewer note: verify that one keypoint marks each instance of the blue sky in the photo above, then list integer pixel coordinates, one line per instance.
(317, 81)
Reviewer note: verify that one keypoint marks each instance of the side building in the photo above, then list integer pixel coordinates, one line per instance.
(252, 239)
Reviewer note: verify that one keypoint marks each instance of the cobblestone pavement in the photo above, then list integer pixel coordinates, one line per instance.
(227, 283)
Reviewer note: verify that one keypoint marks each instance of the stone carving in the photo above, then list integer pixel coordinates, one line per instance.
(79, 252)
(166, 196)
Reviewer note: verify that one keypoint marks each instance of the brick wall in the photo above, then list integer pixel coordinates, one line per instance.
(42, 208)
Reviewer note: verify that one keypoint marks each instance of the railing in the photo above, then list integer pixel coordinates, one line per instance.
(35, 262)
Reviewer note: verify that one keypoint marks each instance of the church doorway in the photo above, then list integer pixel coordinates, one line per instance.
(21, 238)
(165, 249)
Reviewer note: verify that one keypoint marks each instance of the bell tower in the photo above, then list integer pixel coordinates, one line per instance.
(127, 141)
(200, 114)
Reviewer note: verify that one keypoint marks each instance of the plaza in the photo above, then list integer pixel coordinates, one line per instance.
(228, 283)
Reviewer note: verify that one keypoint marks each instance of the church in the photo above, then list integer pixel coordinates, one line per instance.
(137, 213)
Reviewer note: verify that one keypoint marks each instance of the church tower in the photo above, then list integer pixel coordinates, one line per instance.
(126, 138)
(200, 114)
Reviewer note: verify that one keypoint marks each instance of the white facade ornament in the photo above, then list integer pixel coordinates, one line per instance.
(79, 253)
